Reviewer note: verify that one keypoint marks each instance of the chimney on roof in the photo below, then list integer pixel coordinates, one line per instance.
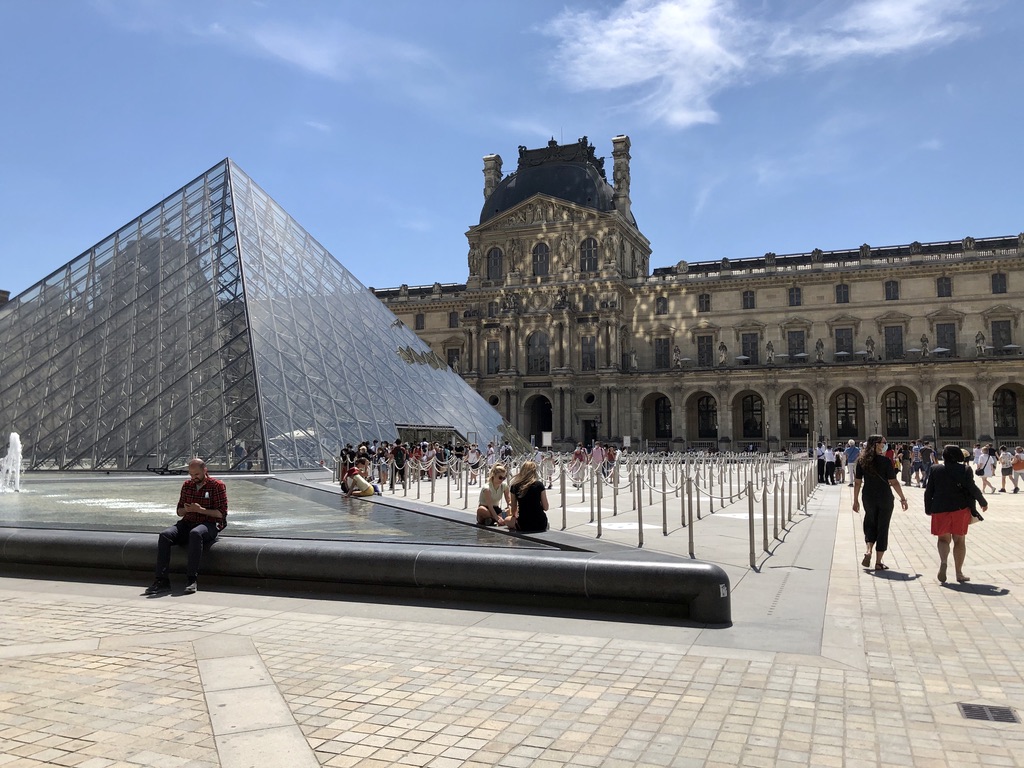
(620, 174)
(492, 174)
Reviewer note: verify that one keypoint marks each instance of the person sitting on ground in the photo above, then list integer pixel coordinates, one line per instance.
(488, 510)
(357, 483)
(203, 509)
(528, 508)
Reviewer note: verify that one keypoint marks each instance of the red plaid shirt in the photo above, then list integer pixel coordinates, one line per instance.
(213, 495)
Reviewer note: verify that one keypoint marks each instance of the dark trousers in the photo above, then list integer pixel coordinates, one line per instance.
(192, 535)
(877, 515)
(830, 472)
(821, 470)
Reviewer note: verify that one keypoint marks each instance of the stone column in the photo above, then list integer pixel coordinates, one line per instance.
(492, 173)
(616, 416)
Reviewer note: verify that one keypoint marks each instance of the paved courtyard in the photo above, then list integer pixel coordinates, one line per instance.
(826, 664)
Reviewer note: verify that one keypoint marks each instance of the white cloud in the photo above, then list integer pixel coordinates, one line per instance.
(316, 125)
(930, 145)
(678, 54)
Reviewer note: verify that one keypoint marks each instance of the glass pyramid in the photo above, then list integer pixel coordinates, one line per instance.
(214, 325)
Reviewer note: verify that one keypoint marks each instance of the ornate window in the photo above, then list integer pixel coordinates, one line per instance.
(493, 358)
(892, 290)
(799, 407)
(1001, 336)
(704, 302)
(589, 303)
(588, 255)
(796, 344)
(1004, 413)
(705, 351)
(893, 342)
(948, 413)
(541, 256)
(453, 359)
(999, 282)
(748, 300)
(749, 343)
(844, 340)
(846, 415)
(752, 408)
(945, 337)
(588, 353)
(453, 319)
(662, 354)
(661, 305)
(538, 358)
(492, 309)
(707, 418)
(419, 321)
(494, 264)
(944, 287)
(842, 293)
(795, 297)
(662, 418)
(897, 415)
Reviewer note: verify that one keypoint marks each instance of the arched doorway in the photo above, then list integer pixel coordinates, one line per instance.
(657, 421)
(539, 417)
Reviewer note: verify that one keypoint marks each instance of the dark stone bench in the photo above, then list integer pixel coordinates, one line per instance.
(630, 582)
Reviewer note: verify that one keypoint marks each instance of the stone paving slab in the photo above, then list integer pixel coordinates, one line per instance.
(874, 683)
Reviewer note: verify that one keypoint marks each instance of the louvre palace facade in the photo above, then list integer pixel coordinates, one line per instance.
(563, 327)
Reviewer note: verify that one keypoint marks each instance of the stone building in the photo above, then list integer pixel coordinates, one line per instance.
(564, 328)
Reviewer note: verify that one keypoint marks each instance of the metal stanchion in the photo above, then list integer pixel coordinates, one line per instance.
(664, 501)
(561, 485)
(689, 507)
(750, 517)
(764, 516)
(639, 511)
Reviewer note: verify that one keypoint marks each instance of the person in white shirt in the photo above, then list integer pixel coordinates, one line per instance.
(830, 465)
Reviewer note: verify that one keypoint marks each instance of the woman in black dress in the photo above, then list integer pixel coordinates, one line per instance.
(876, 473)
(529, 504)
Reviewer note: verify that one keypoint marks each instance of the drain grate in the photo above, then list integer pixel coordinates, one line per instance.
(991, 714)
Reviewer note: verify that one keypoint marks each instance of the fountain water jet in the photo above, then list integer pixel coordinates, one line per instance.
(11, 466)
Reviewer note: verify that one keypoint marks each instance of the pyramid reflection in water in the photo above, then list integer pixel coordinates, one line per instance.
(215, 326)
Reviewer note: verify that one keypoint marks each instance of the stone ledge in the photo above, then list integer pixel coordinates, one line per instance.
(601, 582)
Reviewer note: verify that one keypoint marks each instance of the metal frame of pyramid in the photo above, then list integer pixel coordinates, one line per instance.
(214, 325)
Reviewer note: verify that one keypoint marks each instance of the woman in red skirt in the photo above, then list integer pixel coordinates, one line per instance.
(951, 498)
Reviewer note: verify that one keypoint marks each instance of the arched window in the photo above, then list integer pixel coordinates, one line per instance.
(661, 305)
(662, 418)
(948, 413)
(537, 356)
(897, 415)
(707, 418)
(541, 254)
(752, 408)
(1004, 413)
(892, 290)
(494, 266)
(588, 255)
(799, 407)
(846, 415)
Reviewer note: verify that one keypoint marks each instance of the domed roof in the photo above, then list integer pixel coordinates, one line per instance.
(570, 172)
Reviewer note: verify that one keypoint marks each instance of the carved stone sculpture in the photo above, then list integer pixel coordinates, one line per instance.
(769, 353)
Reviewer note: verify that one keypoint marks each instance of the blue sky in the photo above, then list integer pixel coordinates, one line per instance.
(756, 125)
